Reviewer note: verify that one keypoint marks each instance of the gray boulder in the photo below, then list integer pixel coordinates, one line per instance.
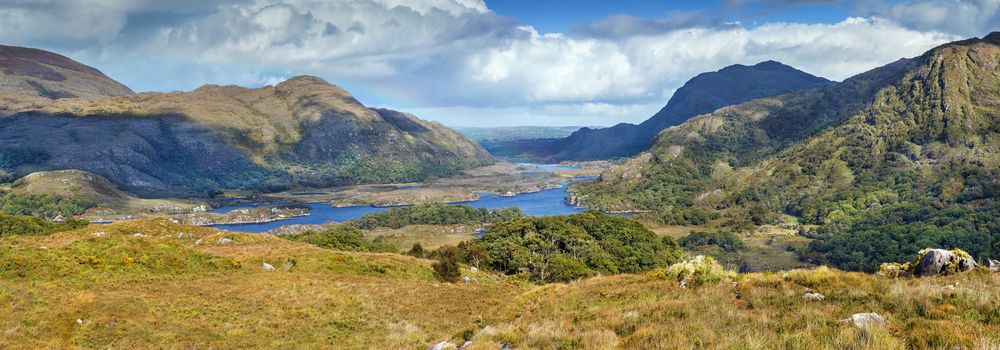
(224, 241)
(867, 320)
(933, 262)
(812, 296)
(267, 267)
(442, 346)
(993, 265)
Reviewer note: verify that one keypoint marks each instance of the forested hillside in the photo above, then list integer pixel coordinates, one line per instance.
(887, 162)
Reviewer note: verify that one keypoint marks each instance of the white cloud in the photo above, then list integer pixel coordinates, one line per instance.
(964, 17)
(70, 21)
(455, 59)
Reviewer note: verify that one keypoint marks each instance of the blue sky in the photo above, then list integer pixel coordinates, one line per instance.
(476, 63)
(550, 16)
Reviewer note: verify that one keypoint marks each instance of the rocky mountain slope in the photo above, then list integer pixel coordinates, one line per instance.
(889, 160)
(702, 94)
(302, 132)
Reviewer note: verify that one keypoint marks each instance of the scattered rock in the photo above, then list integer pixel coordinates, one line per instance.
(100, 234)
(59, 218)
(79, 321)
(465, 345)
(473, 269)
(198, 242)
(138, 235)
(812, 296)
(506, 347)
(466, 279)
(224, 241)
(441, 346)
(993, 265)
(867, 320)
(785, 276)
(933, 262)
(267, 267)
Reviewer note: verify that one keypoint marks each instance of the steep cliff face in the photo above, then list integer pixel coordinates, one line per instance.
(303, 131)
(702, 94)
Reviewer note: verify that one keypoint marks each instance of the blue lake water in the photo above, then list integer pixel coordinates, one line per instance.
(538, 168)
(547, 202)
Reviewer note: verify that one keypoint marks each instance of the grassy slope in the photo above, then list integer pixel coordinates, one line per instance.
(92, 188)
(164, 289)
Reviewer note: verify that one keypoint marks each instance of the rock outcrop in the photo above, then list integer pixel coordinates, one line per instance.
(933, 262)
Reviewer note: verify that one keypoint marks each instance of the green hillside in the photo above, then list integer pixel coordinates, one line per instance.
(885, 162)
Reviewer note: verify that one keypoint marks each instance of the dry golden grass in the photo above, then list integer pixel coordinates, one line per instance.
(429, 236)
(672, 230)
(189, 291)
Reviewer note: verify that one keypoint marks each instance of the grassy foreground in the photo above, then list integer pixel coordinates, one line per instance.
(153, 284)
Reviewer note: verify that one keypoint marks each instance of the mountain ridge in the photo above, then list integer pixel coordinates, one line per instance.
(300, 132)
(701, 94)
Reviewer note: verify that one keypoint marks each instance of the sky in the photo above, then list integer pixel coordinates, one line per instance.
(485, 63)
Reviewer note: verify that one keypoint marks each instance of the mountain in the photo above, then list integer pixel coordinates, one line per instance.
(885, 163)
(301, 132)
(702, 94)
(514, 143)
(31, 77)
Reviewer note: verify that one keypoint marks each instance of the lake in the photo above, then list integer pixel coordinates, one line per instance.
(547, 202)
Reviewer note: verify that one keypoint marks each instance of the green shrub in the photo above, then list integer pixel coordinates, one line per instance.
(563, 248)
(726, 240)
(698, 271)
(32, 226)
(343, 237)
(447, 267)
(43, 206)
(434, 214)
(417, 251)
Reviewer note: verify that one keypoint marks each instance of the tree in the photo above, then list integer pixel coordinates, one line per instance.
(417, 250)
(446, 268)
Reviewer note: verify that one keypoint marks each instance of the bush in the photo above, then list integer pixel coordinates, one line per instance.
(700, 270)
(32, 226)
(417, 251)
(43, 206)
(726, 240)
(434, 214)
(447, 268)
(563, 248)
(343, 237)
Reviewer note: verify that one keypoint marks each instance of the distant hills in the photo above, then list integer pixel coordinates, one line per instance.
(702, 94)
(885, 163)
(516, 143)
(59, 114)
